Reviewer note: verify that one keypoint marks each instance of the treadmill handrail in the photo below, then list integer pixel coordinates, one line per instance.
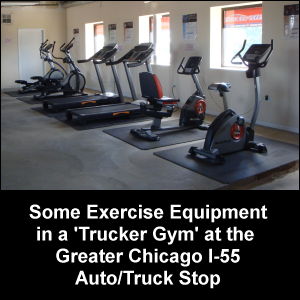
(112, 63)
(99, 62)
(120, 60)
(136, 63)
(80, 61)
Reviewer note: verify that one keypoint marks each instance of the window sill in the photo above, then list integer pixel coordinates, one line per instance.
(153, 64)
(229, 69)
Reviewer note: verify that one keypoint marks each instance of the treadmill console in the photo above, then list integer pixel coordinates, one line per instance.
(106, 52)
(192, 65)
(140, 53)
(256, 52)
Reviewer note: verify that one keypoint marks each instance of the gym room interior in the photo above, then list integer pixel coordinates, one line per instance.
(43, 149)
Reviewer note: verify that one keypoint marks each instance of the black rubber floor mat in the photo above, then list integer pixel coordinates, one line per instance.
(15, 93)
(167, 138)
(239, 165)
(94, 124)
(30, 100)
(48, 113)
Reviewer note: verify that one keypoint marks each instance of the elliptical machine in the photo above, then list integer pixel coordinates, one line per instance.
(192, 113)
(70, 85)
(53, 73)
(227, 133)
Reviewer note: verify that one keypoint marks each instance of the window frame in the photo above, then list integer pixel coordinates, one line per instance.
(146, 28)
(151, 21)
(228, 8)
(4, 20)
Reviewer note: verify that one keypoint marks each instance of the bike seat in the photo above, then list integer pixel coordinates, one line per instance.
(220, 87)
(152, 90)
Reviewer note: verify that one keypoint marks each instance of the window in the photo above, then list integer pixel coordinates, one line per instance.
(239, 24)
(156, 29)
(94, 38)
(6, 19)
(230, 25)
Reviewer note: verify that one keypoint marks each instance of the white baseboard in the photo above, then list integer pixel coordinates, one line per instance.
(10, 87)
(92, 88)
(262, 123)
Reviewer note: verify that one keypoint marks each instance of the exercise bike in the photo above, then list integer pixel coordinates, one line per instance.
(227, 133)
(192, 113)
(70, 85)
(54, 73)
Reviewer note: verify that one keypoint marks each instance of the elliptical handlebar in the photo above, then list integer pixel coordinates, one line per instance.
(67, 47)
(61, 46)
(43, 44)
(48, 47)
(44, 48)
(70, 42)
(239, 55)
(53, 50)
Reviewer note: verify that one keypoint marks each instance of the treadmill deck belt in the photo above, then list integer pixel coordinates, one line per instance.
(109, 109)
(79, 102)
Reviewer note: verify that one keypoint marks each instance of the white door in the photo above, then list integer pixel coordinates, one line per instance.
(30, 63)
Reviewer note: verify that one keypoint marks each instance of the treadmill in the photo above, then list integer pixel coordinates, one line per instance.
(105, 55)
(136, 57)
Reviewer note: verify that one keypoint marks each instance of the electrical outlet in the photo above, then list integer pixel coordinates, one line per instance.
(267, 98)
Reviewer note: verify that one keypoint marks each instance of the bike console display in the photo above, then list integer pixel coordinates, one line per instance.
(191, 67)
(256, 52)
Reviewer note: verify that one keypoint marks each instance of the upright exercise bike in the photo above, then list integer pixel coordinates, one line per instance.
(227, 133)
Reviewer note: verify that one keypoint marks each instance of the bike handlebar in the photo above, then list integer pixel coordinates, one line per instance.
(53, 50)
(239, 55)
(181, 66)
(258, 65)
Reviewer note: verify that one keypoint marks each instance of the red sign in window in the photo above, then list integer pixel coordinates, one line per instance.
(248, 17)
(165, 23)
(99, 29)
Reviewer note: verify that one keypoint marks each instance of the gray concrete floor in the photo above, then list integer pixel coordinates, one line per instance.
(41, 153)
